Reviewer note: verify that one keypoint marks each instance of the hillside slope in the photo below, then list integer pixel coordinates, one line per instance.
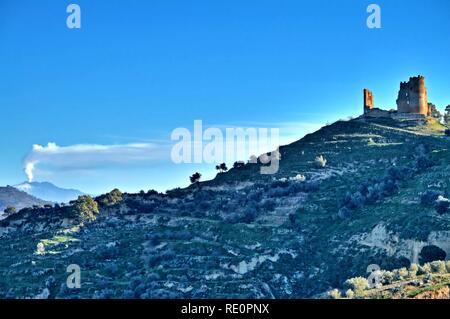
(10, 196)
(294, 234)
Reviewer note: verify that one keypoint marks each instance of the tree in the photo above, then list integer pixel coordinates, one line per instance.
(238, 164)
(195, 178)
(152, 192)
(433, 112)
(222, 167)
(113, 197)
(447, 115)
(431, 253)
(442, 205)
(86, 208)
(10, 210)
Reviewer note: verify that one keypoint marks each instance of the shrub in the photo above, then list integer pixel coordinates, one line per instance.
(431, 253)
(232, 218)
(106, 252)
(425, 269)
(250, 215)
(357, 284)
(255, 195)
(278, 192)
(103, 294)
(334, 294)
(438, 266)
(397, 173)
(387, 277)
(442, 205)
(111, 268)
(157, 258)
(320, 161)
(447, 266)
(423, 162)
(268, 205)
(10, 210)
(128, 294)
(349, 294)
(402, 274)
(357, 200)
(413, 269)
(152, 192)
(293, 219)
(429, 197)
(345, 213)
(50, 282)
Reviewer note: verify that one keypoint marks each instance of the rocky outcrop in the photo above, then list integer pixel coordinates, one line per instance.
(393, 245)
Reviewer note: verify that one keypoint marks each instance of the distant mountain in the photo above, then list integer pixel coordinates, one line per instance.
(49, 192)
(10, 196)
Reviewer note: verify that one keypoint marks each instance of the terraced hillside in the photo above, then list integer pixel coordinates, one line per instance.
(380, 198)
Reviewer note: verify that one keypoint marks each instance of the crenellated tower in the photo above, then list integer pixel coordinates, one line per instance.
(413, 96)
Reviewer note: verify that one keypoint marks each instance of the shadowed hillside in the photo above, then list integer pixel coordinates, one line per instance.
(10, 196)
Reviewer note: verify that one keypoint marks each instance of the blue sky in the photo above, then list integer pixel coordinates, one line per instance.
(136, 70)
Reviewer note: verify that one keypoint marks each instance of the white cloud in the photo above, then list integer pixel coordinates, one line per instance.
(90, 156)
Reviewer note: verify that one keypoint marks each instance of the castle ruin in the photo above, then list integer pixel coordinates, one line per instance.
(412, 97)
(369, 103)
(412, 101)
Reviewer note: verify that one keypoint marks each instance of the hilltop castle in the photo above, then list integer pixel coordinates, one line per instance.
(412, 102)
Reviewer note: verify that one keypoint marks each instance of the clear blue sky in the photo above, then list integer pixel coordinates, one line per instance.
(138, 69)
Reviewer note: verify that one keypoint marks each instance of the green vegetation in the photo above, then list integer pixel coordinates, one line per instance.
(430, 253)
(292, 234)
(195, 178)
(86, 208)
(10, 210)
(111, 198)
(358, 285)
(400, 283)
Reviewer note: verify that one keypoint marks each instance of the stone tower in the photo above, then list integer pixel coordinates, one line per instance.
(368, 101)
(412, 97)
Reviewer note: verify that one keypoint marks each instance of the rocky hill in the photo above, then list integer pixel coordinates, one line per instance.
(10, 196)
(378, 195)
